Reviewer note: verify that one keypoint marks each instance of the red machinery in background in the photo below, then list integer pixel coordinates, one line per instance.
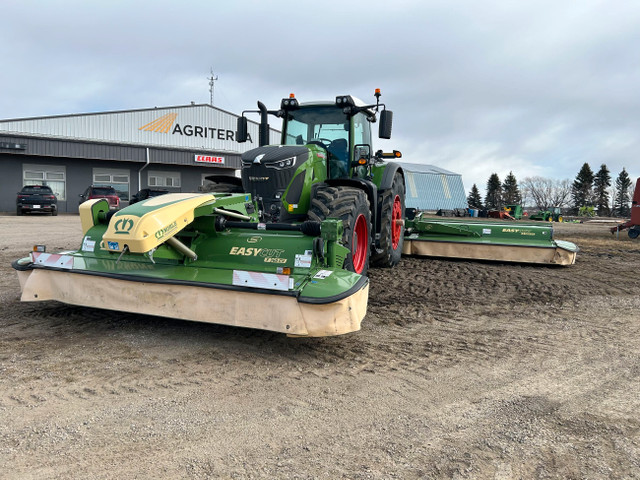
(634, 223)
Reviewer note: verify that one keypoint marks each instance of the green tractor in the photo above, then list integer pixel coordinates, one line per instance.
(325, 168)
(552, 215)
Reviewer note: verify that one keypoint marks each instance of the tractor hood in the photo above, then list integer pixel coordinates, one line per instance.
(275, 156)
(268, 171)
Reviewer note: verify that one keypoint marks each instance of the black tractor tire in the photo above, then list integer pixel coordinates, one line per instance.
(391, 225)
(19, 212)
(350, 205)
(54, 212)
(633, 233)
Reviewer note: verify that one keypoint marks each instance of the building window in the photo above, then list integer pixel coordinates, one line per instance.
(163, 179)
(53, 176)
(118, 179)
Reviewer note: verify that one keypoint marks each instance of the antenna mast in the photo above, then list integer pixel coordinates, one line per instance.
(212, 80)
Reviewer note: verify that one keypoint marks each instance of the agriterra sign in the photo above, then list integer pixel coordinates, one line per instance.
(167, 123)
(204, 132)
(209, 159)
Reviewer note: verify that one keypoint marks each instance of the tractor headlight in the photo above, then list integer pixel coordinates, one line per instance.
(282, 164)
(289, 103)
(345, 101)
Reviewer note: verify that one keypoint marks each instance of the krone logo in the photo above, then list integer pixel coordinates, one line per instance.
(123, 226)
(163, 231)
(254, 239)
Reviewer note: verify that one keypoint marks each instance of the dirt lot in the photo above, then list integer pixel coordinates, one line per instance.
(461, 370)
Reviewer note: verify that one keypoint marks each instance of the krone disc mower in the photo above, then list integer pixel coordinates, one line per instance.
(206, 258)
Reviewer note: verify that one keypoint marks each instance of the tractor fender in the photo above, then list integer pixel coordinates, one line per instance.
(388, 175)
(386, 183)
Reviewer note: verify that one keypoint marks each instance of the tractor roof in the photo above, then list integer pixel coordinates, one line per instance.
(356, 100)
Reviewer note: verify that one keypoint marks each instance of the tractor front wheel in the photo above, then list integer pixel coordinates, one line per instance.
(391, 225)
(634, 232)
(350, 205)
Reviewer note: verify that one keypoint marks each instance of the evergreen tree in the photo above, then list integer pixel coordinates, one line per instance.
(493, 198)
(621, 200)
(601, 184)
(581, 190)
(474, 200)
(510, 191)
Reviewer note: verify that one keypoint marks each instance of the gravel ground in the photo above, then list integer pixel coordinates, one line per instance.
(461, 370)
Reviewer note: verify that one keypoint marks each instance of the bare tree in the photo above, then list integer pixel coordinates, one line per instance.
(546, 192)
(561, 193)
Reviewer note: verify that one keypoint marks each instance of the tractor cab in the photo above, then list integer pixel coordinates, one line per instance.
(337, 132)
(342, 129)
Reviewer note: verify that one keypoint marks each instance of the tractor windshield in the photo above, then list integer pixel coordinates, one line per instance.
(316, 123)
(326, 126)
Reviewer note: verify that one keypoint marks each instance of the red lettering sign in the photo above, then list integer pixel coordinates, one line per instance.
(209, 159)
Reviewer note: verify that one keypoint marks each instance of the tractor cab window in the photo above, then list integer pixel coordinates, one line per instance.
(361, 130)
(326, 126)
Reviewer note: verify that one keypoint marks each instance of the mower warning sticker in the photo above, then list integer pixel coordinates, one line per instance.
(303, 261)
(322, 274)
(88, 245)
(486, 231)
(113, 245)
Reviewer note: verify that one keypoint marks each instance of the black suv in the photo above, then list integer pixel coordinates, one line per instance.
(146, 193)
(36, 198)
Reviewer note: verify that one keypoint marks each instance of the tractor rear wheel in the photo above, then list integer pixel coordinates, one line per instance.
(350, 205)
(391, 225)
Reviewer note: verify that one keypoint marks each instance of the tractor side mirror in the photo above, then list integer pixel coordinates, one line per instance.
(386, 120)
(241, 130)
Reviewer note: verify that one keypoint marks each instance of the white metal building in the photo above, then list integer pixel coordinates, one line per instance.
(433, 188)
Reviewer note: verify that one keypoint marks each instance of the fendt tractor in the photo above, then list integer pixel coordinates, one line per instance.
(286, 247)
(325, 168)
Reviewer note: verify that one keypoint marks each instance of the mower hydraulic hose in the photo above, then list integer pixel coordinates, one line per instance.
(308, 227)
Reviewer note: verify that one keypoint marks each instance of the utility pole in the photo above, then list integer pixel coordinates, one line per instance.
(212, 80)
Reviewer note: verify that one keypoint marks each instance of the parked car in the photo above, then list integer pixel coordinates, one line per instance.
(36, 198)
(102, 192)
(146, 193)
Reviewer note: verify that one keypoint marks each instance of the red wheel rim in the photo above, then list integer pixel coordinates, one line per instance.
(396, 222)
(359, 244)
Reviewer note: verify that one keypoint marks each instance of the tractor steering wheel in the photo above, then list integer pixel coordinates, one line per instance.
(320, 142)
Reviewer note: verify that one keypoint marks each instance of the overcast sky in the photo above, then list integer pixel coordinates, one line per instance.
(536, 87)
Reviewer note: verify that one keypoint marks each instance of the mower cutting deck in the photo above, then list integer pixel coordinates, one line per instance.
(477, 240)
(180, 256)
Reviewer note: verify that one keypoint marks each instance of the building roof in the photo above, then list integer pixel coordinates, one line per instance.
(425, 168)
(199, 127)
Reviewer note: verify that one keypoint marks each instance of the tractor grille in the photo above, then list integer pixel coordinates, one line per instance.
(267, 177)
